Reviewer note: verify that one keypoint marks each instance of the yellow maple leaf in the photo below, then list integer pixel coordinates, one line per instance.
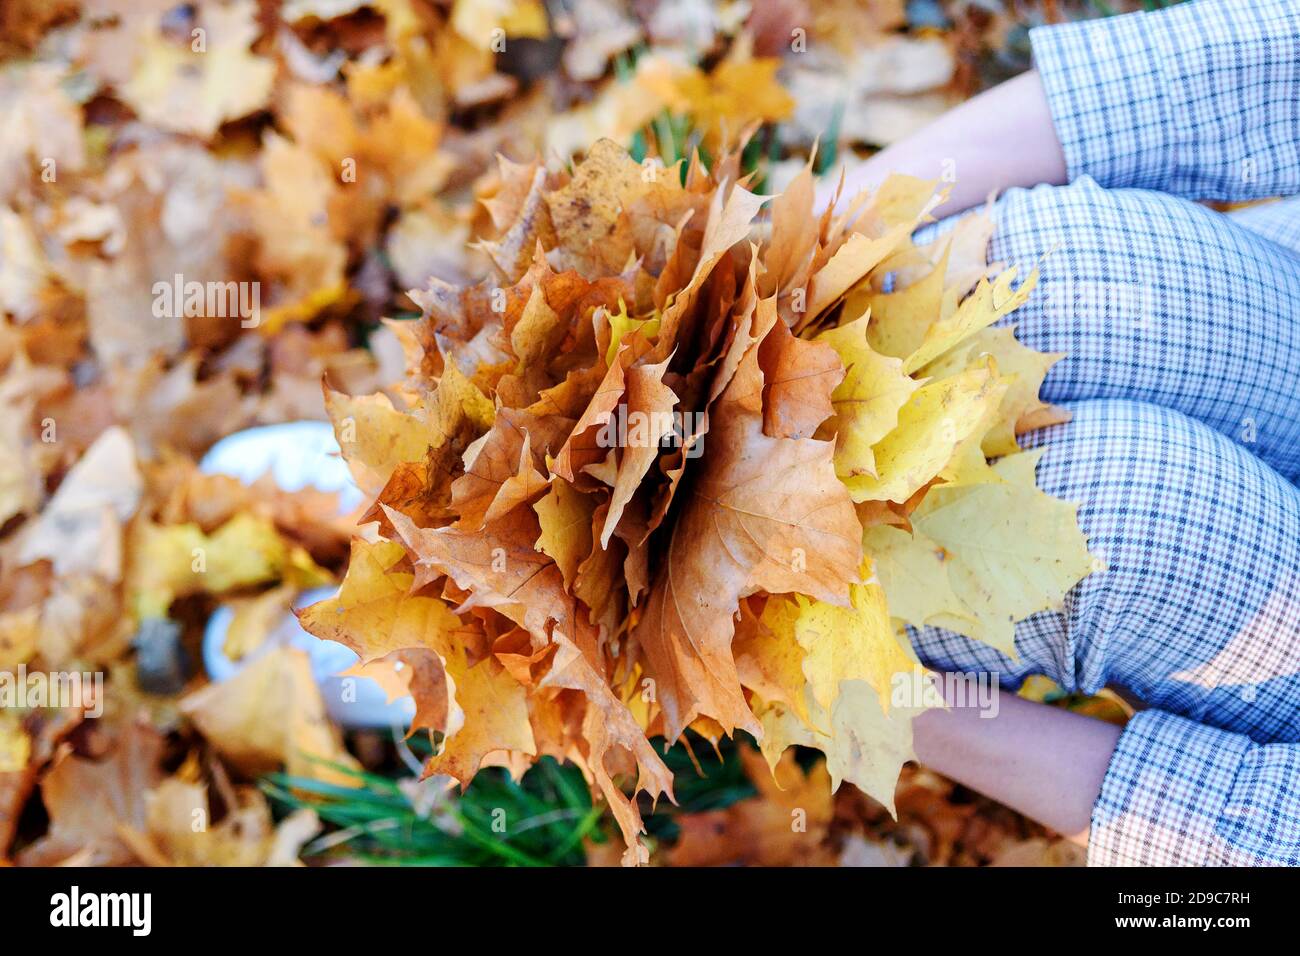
(1025, 369)
(565, 515)
(171, 561)
(770, 661)
(254, 619)
(375, 437)
(968, 466)
(538, 331)
(298, 244)
(843, 643)
(988, 303)
(868, 401)
(375, 613)
(900, 320)
(245, 836)
(982, 557)
(271, 714)
(931, 424)
(728, 99)
(914, 575)
(851, 262)
(496, 718)
(863, 744)
(196, 86)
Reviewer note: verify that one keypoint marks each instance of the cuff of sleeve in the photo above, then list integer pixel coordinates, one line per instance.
(1166, 794)
(1108, 101)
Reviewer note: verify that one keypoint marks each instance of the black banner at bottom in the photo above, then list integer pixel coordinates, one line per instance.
(341, 904)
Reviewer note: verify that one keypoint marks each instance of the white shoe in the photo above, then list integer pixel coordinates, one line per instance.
(300, 455)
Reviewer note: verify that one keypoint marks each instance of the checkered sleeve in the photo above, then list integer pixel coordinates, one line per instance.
(1201, 100)
(1276, 221)
(1179, 793)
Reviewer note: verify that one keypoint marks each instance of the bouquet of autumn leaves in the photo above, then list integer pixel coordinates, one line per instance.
(683, 463)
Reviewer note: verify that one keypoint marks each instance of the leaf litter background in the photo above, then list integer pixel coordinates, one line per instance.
(126, 158)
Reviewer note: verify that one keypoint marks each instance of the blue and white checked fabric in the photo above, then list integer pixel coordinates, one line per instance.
(1179, 793)
(1182, 332)
(1277, 221)
(1198, 100)
(1160, 300)
(1197, 612)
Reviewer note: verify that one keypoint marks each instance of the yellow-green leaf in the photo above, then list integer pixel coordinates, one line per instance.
(932, 423)
(867, 401)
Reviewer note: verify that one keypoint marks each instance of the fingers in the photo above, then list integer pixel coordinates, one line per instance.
(1198, 609)
(1159, 300)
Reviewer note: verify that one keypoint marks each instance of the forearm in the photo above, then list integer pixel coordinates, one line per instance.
(1001, 138)
(1045, 762)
